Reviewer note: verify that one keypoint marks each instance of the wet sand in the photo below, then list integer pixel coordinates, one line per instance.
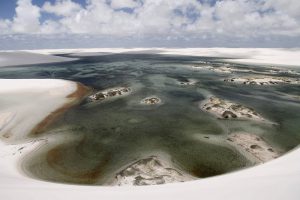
(74, 98)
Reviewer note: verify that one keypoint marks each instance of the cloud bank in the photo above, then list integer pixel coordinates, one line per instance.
(199, 20)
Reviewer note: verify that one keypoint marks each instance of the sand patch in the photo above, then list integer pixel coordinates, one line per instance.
(262, 80)
(225, 109)
(152, 100)
(149, 171)
(253, 145)
(15, 58)
(109, 94)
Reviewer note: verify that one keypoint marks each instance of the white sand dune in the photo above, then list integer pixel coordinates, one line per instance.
(27, 102)
(24, 103)
(87, 50)
(28, 58)
(278, 179)
(289, 57)
(276, 56)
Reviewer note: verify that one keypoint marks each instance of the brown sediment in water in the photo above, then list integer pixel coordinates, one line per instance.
(74, 98)
(55, 159)
(204, 171)
(81, 91)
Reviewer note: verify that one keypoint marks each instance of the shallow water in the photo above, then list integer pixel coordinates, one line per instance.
(100, 138)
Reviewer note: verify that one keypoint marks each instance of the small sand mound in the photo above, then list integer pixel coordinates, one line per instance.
(109, 93)
(263, 80)
(149, 171)
(153, 100)
(189, 82)
(224, 109)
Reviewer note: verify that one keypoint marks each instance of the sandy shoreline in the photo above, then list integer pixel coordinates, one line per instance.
(51, 96)
(268, 56)
(35, 104)
(75, 97)
(258, 56)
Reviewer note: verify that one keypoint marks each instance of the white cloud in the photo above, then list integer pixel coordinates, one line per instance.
(51, 27)
(61, 7)
(159, 18)
(288, 7)
(118, 4)
(27, 17)
(5, 26)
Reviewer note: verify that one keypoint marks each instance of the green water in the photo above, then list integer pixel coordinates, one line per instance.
(101, 138)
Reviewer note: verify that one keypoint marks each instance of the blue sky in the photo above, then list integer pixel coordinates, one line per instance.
(7, 7)
(171, 23)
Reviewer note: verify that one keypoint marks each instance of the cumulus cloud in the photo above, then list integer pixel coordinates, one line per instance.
(251, 18)
(27, 17)
(290, 7)
(119, 4)
(61, 7)
(158, 18)
(5, 26)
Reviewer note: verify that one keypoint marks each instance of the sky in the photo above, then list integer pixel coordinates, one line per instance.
(34, 24)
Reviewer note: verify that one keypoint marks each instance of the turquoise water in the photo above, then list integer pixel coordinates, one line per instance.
(100, 138)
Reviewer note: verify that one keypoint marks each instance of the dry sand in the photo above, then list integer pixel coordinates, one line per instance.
(29, 105)
(276, 56)
(151, 170)
(25, 105)
(269, 56)
(27, 58)
(224, 109)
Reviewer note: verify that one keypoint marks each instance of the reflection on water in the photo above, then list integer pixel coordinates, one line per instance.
(102, 137)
